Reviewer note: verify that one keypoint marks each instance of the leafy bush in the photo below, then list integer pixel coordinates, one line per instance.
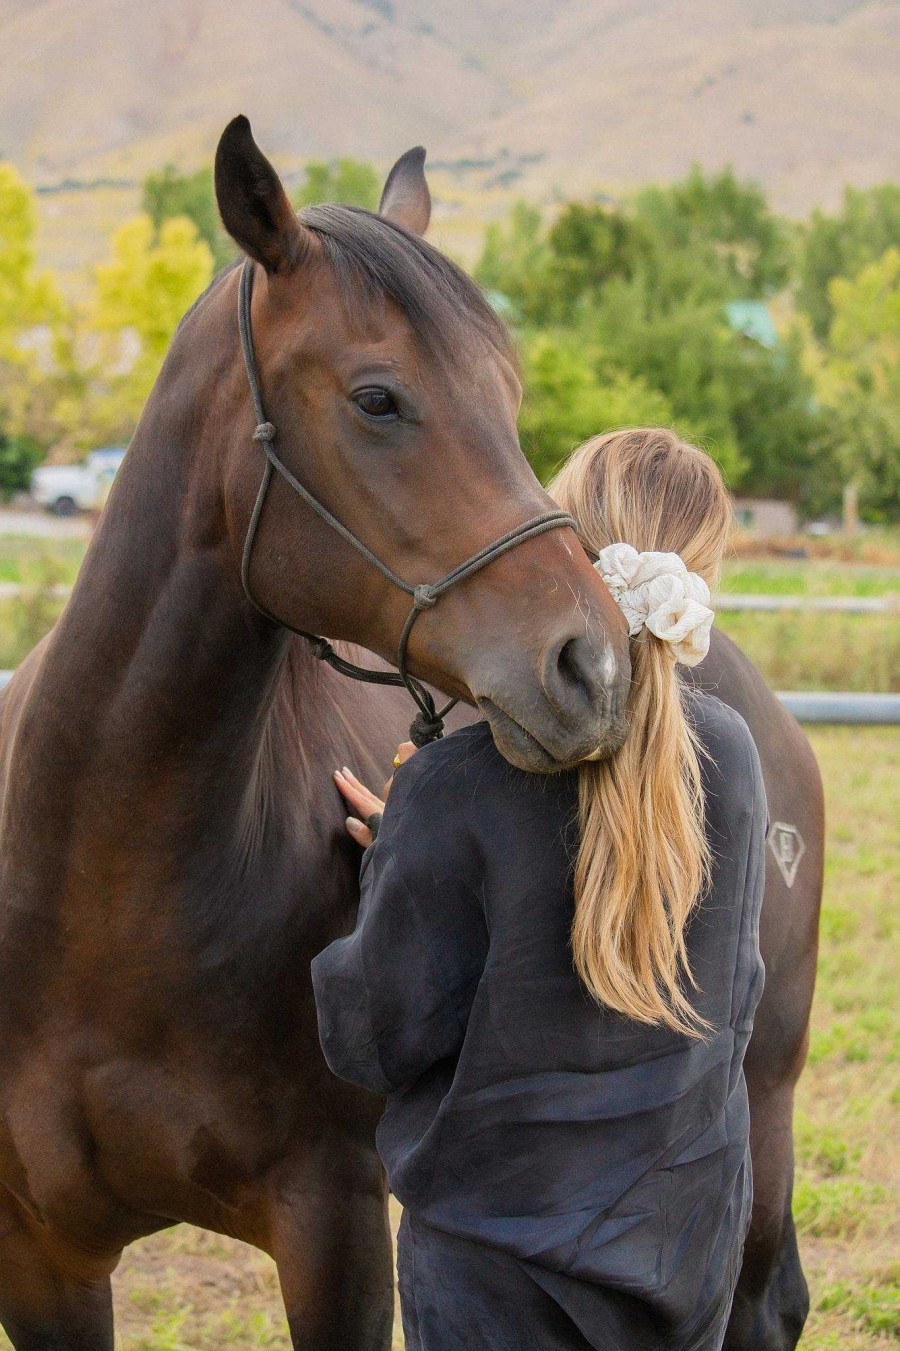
(19, 457)
(841, 245)
(348, 181)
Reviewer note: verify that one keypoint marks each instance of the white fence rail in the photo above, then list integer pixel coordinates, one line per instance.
(844, 709)
(849, 605)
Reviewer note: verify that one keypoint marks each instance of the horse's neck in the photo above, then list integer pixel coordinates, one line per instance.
(164, 718)
(159, 677)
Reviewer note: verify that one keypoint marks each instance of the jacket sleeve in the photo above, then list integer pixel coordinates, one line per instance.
(393, 998)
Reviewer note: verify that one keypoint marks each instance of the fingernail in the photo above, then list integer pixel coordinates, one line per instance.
(338, 773)
(353, 825)
(346, 771)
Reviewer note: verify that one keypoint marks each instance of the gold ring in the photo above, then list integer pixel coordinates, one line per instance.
(397, 762)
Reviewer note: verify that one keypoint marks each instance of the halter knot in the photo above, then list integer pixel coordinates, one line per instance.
(426, 727)
(424, 597)
(265, 432)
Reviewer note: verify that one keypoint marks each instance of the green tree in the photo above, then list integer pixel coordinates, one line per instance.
(30, 310)
(636, 300)
(780, 430)
(838, 246)
(515, 260)
(140, 295)
(724, 226)
(28, 296)
(547, 274)
(170, 193)
(590, 246)
(19, 457)
(752, 405)
(689, 353)
(348, 181)
(859, 383)
(567, 399)
(703, 239)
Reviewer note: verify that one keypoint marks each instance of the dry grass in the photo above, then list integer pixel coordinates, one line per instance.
(794, 651)
(872, 545)
(797, 650)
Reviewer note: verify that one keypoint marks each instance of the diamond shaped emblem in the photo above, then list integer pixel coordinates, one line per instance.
(786, 844)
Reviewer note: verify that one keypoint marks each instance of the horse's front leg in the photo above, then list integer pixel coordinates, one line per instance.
(771, 1301)
(332, 1245)
(53, 1296)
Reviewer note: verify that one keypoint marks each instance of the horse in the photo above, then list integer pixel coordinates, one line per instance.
(172, 847)
(171, 856)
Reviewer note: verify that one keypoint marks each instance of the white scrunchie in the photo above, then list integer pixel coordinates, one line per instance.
(657, 590)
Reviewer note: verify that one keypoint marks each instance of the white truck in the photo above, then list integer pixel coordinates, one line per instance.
(65, 489)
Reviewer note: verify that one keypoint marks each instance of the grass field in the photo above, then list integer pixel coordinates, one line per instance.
(810, 577)
(186, 1290)
(798, 650)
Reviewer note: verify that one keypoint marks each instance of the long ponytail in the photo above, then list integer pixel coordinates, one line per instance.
(643, 860)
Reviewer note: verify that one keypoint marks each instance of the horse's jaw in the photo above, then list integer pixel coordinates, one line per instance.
(552, 749)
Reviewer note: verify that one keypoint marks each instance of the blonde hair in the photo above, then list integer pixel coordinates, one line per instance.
(643, 861)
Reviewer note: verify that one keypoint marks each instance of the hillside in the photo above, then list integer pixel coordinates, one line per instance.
(533, 96)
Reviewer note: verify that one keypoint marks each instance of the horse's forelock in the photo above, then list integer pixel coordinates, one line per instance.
(373, 257)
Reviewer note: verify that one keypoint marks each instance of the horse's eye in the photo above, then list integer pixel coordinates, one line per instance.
(376, 403)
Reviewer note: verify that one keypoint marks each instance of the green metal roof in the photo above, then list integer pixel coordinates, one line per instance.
(752, 318)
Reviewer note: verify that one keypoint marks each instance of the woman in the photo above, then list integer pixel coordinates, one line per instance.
(553, 979)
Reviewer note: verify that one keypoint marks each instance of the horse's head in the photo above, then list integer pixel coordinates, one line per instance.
(394, 390)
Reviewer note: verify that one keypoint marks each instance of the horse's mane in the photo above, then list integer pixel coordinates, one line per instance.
(372, 257)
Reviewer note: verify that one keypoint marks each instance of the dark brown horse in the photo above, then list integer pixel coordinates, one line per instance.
(173, 851)
(171, 856)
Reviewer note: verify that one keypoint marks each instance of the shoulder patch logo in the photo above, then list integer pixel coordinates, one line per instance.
(786, 844)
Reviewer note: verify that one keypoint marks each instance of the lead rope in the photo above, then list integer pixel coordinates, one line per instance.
(428, 725)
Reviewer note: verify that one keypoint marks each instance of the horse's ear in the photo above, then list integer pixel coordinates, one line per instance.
(252, 202)
(406, 199)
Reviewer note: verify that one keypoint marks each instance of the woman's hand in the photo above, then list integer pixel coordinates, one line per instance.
(363, 801)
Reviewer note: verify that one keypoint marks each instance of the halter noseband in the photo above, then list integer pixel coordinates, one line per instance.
(428, 724)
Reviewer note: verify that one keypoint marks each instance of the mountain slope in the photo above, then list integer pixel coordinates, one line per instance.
(552, 94)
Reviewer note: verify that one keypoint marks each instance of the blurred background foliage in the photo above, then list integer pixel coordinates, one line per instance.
(349, 181)
(775, 344)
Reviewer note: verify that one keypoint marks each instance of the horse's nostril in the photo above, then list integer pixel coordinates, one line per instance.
(569, 663)
(576, 676)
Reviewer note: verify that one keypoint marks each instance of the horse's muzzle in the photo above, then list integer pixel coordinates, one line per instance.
(575, 711)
